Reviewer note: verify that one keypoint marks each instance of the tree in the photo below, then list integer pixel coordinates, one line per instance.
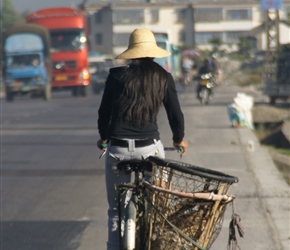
(216, 43)
(9, 15)
(82, 5)
(245, 46)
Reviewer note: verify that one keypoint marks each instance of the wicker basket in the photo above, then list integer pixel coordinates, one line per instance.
(185, 205)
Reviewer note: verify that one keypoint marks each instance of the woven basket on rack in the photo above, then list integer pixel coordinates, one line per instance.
(185, 205)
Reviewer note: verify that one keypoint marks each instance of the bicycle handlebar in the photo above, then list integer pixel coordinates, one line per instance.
(179, 149)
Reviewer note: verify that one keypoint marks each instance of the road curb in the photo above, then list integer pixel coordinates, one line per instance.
(274, 194)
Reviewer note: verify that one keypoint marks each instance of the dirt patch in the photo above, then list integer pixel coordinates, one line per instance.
(270, 114)
(282, 162)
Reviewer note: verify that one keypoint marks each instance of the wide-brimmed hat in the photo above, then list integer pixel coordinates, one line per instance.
(142, 44)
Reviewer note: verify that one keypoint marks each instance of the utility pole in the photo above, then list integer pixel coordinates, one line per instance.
(271, 87)
(273, 41)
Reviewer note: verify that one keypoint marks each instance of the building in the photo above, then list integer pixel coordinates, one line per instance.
(187, 23)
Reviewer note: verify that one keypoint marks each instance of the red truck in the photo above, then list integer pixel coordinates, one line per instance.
(69, 48)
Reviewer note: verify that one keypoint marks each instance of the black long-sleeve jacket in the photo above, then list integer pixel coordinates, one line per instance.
(111, 124)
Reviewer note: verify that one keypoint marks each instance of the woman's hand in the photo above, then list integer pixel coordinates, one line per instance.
(102, 144)
(182, 144)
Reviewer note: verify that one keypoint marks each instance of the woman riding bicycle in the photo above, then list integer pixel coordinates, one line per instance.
(128, 112)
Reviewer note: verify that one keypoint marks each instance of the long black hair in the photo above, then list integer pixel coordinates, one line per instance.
(144, 90)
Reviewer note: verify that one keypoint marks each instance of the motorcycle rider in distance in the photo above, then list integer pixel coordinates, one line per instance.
(204, 69)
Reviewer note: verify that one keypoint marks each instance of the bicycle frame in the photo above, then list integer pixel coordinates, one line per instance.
(136, 205)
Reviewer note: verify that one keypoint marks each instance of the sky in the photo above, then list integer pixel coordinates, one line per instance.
(33, 5)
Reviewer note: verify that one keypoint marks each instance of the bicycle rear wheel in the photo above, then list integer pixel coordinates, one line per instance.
(130, 226)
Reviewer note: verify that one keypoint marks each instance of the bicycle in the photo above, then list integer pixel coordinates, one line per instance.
(137, 201)
(178, 204)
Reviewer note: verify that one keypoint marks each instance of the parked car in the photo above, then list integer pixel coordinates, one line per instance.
(99, 67)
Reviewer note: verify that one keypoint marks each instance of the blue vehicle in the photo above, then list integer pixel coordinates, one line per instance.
(27, 64)
(170, 63)
(165, 62)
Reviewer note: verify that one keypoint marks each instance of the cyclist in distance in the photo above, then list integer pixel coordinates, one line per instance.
(127, 121)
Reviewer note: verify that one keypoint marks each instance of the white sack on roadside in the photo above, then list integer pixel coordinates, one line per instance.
(243, 105)
(236, 117)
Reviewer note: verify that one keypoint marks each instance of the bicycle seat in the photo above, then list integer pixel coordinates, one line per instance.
(134, 165)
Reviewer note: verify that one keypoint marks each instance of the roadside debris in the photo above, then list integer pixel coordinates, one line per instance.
(240, 111)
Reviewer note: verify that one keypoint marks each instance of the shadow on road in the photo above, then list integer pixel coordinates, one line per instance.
(58, 235)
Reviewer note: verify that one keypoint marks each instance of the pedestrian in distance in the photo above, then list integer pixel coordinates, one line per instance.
(217, 69)
(128, 112)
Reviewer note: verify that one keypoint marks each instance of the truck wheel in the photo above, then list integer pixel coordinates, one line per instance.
(47, 92)
(9, 95)
(83, 91)
(272, 100)
(75, 91)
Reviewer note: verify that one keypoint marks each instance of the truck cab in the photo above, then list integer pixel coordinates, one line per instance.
(68, 33)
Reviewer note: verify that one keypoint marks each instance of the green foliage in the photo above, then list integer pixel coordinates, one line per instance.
(250, 77)
(235, 56)
(245, 47)
(9, 15)
(216, 42)
(283, 151)
(186, 47)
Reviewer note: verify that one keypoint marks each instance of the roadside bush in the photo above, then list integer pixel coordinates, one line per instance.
(250, 77)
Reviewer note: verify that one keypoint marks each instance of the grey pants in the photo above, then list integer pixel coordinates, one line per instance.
(114, 177)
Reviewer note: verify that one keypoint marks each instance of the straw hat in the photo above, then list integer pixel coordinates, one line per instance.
(142, 43)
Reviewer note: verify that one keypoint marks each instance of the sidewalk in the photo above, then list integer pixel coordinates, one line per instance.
(274, 191)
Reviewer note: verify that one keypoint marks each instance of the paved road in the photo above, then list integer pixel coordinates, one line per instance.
(52, 181)
(53, 194)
